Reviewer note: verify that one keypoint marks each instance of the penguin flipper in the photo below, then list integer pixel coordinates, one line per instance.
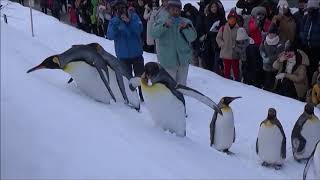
(234, 134)
(257, 146)
(306, 168)
(105, 82)
(212, 127)
(70, 80)
(296, 133)
(199, 96)
(121, 86)
(284, 140)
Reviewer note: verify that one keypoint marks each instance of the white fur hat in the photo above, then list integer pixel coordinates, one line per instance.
(242, 34)
(313, 4)
(283, 4)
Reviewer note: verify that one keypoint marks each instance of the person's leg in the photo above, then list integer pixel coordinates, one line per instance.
(227, 68)
(128, 64)
(235, 69)
(172, 72)
(216, 66)
(182, 75)
(138, 68)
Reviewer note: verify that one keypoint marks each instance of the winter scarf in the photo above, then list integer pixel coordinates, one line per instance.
(272, 42)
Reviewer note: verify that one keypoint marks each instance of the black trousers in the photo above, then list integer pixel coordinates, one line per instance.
(137, 66)
(21, 2)
(44, 10)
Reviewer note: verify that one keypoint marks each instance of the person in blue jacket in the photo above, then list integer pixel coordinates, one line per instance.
(125, 29)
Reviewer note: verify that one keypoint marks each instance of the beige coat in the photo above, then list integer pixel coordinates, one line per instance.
(287, 28)
(299, 76)
(226, 40)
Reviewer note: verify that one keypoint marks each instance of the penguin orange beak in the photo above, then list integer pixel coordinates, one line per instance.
(36, 68)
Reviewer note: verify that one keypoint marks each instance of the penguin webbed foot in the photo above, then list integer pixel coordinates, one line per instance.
(228, 152)
(277, 166)
(265, 164)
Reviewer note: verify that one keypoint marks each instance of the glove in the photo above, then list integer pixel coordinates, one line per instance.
(214, 27)
(203, 37)
(265, 60)
(280, 76)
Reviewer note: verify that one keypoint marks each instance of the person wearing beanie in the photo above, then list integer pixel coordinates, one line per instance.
(270, 49)
(226, 40)
(311, 35)
(292, 72)
(258, 24)
(174, 34)
(242, 42)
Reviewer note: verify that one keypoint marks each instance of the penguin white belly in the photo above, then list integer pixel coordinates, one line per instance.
(316, 162)
(88, 81)
(167, 111)
(311, 132)
(269, 143)
(224, 130)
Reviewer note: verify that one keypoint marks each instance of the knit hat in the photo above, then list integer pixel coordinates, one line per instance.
(283, 4)
(232, 13)
(175, 3)
(259, 9)
(242, 34)
(273, 29)
(313, 4)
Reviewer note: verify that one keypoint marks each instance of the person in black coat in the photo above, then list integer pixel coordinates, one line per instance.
(212, 22)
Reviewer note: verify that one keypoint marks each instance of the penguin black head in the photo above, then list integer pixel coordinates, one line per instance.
(272, 114)
(51, 62)
(151, 69)
(227, 100)
(309, 109)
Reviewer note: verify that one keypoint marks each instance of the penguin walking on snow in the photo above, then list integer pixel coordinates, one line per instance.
(97, 77)
(313, 161)
(164, 98)
(222, 129)
(305, 134)
(271, 141)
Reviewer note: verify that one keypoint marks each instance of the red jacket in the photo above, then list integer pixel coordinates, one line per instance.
(254, 31)
(73, 16)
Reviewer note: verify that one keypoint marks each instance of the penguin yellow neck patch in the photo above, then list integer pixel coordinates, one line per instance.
(268, 124)
(56, 60)
(154, 88)
(225, 108)
(313, 119)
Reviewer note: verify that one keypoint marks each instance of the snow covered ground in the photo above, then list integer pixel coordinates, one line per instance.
(49, 129)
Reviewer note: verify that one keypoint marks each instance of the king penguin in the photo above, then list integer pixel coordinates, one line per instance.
(164, 98)
(93, 74)
(314, 162)
(271, 141)
(222, 129)
(305, 134)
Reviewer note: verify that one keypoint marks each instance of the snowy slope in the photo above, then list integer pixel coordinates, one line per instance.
(49, 129)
